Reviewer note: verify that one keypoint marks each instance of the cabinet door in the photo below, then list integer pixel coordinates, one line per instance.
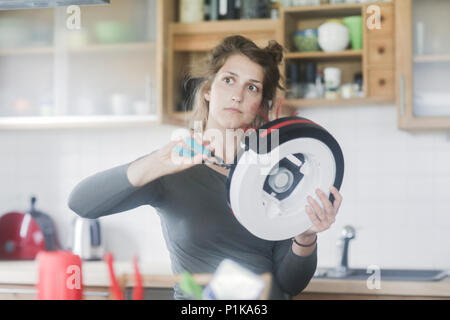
(93, 66)
(423, 63)
(109, 65)
(26, 62)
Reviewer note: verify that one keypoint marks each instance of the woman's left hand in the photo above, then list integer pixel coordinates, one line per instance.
(322, 219)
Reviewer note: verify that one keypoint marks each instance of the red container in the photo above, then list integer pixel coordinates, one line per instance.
(60, 276)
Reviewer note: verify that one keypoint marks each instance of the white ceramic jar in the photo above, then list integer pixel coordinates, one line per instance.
(333, 37)
(332, 78)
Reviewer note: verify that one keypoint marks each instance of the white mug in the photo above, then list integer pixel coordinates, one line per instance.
(119, 104)
(332, 78)
(141, 108)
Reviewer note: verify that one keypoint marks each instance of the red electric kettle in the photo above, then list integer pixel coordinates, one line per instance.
(23, 235)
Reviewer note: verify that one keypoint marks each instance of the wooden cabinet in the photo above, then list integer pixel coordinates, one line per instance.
(181, 44)
(380, 52)
(423, 64)
(342, 289)
(345, 296)
(376, 57)
(29, 292)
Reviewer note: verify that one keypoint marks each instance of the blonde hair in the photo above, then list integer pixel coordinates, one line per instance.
(268, 58)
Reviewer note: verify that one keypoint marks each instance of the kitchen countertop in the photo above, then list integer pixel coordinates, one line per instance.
(387, 288)
(95, 274)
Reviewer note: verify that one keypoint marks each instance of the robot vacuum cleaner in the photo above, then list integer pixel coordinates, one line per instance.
(277, 167)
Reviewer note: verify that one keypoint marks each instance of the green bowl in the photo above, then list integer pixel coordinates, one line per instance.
(112, 32)
(306, 40)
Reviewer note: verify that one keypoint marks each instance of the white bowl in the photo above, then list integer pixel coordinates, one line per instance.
(333, 37)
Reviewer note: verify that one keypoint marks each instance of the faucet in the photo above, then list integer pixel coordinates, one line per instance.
(348, 234)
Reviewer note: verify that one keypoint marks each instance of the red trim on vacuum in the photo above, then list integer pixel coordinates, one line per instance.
(285, 123)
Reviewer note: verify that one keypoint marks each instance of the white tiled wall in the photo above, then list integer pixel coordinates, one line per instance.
(396, 186)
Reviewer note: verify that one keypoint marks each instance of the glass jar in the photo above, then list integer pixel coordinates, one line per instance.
(255, 9)
(191, 10)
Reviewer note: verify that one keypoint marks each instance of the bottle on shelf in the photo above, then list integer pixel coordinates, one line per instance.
(255, 9)
(294, 81)
(310, 91)
(214, 10)
(320, 88)
(332, 82)
(191, 11)
(358, 85)
(275, 9)
(207, 10)
(227, 9)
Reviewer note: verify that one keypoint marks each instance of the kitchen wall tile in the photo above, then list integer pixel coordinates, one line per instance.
(441, 160)
(422, 141)
(441, 187)
(441, 214)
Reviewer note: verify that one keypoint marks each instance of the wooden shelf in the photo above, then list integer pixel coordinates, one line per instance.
(432, 58)
(55, 122)
(185, 43)
(318, 55)
(114, 47)
(222, 26)
(320, 103)
(292, 104)
(203, 36)
(126, 47)
(325, 10)
(25, 51)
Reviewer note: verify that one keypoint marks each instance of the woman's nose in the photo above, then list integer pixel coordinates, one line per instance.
(237, 96)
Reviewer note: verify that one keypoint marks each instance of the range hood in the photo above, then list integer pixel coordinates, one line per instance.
(32, 4)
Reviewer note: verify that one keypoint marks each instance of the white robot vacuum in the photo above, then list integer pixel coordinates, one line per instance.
(276, 168)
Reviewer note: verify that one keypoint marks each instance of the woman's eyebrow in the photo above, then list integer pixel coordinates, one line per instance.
(237, 76)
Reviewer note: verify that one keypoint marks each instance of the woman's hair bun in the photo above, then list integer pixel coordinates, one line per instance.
(275, 50)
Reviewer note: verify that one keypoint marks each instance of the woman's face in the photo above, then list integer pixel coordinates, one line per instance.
(236, 93)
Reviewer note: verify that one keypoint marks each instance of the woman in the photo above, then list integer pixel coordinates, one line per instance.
(238, 86)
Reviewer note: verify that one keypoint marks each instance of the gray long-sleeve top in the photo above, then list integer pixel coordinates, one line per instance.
(198, 227)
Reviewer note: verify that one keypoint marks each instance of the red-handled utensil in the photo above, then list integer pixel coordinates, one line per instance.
(114, 287)
(138, 289)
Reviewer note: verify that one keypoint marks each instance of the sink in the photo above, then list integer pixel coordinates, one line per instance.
(385, 275)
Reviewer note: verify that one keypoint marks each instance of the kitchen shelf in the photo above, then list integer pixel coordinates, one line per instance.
(320, 103)
(123, 47)
(318, 55)
(26, 51)
(325, 10)
(114, 47)
(203, 36)
(432, 58)
(185, 44)
(55, 122)
(223, 25)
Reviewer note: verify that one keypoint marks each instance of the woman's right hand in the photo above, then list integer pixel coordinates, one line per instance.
(169, 155)
(165, 161)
